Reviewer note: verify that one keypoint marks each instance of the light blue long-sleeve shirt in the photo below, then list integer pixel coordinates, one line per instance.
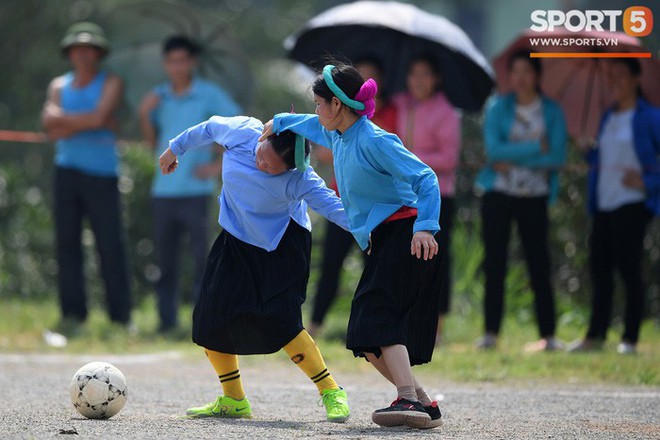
(255, 206)
(376, 174)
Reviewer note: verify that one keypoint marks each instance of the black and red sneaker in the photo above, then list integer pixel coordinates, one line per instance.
(434, 412)
(402, 412)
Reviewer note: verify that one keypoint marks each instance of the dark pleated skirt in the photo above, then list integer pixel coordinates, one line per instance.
(396, 301)
(251, 299)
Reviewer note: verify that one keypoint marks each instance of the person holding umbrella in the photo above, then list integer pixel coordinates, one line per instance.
(525, 139)
(393, 204)
(430, 127)
(623, 196)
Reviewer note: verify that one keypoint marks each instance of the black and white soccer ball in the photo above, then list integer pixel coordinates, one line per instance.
(98, 390)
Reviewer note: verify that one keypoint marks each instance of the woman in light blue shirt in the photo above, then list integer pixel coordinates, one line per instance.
(256, 275)
(393, 204)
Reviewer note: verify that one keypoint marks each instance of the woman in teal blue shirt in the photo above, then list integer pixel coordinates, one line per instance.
(525, 140)
(393, 204)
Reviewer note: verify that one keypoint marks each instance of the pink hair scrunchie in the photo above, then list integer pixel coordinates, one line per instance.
(367, 96)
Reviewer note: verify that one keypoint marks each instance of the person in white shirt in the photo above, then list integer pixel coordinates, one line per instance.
(623, 195)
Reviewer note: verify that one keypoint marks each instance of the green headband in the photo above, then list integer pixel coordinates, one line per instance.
(301, 159)
(339, 93)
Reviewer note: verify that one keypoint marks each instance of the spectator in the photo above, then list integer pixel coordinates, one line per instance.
(79, 114)
(525, 139)
(181, 201)
(338, 242)
(429, 126)
(622, 204)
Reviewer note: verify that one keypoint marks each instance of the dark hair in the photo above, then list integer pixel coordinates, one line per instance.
(427, 59)
(347, 78)
(178, 42)
(535, 64)
(375, 62)
(523, 54)
(632, 64)
(284, 145)
(634, 67)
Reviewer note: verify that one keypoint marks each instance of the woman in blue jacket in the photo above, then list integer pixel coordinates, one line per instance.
(525, 139)
(627, 152)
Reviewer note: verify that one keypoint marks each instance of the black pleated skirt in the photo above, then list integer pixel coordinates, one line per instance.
(396, 301)
(251, 299)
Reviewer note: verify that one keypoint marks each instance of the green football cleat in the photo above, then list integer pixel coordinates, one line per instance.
(336, 405)
(223, 407)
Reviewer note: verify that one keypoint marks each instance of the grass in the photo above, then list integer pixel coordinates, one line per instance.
(23, 322)
(458, 360)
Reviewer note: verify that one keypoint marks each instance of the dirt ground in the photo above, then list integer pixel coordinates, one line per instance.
(35, 404)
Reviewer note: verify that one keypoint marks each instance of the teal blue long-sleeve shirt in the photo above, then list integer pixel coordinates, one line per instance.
(376, 175)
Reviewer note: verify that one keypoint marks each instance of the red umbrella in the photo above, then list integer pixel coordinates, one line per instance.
(580, 84)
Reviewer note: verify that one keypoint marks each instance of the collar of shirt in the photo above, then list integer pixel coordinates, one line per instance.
(167, 91)
(353, 130)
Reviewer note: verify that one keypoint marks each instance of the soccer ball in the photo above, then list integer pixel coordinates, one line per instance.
(98, 390)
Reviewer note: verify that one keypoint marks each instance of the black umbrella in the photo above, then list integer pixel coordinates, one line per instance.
(394, 33)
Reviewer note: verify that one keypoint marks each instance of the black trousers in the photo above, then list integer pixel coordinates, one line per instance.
(174, 218)
(447, 210)
(498, 212)
(78, 195)
(336, 246)
(616, 243)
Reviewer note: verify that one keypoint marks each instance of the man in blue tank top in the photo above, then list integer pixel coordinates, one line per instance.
(79, 115)
(181, 200)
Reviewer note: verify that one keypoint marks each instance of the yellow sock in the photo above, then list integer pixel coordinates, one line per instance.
(303, 352)
(226, 366)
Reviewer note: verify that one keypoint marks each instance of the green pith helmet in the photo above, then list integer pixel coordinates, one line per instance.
(85, 33)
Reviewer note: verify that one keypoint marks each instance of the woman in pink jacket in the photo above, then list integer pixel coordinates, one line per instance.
(429, 126)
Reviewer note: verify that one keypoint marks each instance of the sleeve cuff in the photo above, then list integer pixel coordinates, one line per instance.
(176, 149)
(426, 225)
(277, 123)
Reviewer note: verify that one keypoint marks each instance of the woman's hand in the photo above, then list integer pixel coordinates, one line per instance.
(424, 244)
(585, 143)
(502, 167)
(168, 162)
(267, 131)
(633, 179)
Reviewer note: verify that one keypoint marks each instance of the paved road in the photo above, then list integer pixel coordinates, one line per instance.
(33, 392)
